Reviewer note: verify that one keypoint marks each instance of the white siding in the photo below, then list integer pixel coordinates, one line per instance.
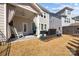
(41, 20)
(44, 21)
(55, 23)
(65, 23)
(2, 24)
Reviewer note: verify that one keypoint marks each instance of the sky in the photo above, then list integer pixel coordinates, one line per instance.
(54, 7)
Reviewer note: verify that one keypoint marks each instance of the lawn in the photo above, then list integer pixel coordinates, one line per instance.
(53, 46)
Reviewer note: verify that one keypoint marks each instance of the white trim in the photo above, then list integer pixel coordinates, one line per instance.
(38, 27)
(5, 21)
(26, 28)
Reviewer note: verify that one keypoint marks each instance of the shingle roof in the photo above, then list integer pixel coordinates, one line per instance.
(76, 18)
(55, 15)
(64, 9)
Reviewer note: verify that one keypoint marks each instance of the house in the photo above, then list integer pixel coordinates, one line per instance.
(22, 19)
(73, 28)
(55, 25)
(2, 20)
(66, 18)
(43, 21)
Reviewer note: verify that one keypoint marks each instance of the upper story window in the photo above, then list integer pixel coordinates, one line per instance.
(44, 15)
(41, 15)
(68, 12)
(67, 20)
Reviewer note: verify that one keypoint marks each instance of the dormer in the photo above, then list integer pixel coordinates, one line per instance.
(65, 11)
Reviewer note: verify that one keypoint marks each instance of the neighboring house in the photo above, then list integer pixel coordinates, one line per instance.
(2, 20)
(73, 28)
(55, 25)
(66, 18)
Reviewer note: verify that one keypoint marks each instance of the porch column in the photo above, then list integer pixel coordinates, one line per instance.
(10, 14)
(38, 27)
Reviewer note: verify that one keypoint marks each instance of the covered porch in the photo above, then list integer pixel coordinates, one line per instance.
(21, 21)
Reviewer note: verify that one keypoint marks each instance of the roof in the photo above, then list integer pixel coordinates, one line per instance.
(74, 24)
(33, 5)
(44, 9)
(55, 15)
(64, 9)
(76, 18)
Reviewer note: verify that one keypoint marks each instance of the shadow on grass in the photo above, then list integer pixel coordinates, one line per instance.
(5, 49)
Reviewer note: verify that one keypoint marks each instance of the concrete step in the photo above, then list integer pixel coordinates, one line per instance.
(73, 44)
(74, 41)
(72, 49)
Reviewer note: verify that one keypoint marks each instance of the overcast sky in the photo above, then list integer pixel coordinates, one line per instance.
(54, 7)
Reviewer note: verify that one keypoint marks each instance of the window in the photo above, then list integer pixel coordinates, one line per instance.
(69, 12)
(41, 15)
(45, 26)
(77, 28)
(25, 28)
(59, 28)
(44, 15)
(67, 20)
(41, 26)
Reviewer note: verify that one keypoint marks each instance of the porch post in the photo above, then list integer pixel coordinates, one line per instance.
(38, 27)
(10, 14)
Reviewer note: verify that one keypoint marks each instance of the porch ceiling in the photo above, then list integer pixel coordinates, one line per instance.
(24, 13)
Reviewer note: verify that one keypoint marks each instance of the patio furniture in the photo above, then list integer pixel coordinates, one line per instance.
(16, 33)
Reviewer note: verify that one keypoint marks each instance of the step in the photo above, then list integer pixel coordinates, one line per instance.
(72, 49)
(73, 44)
(74, 41)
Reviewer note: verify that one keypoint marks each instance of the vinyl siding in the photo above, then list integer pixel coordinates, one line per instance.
(55, 23)
(2, 25)
(44, 21)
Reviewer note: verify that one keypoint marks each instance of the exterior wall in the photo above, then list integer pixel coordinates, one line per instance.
(41, 20)
(76, 21)
(71, 30)
(2, 19)
(55, 23)
(68, 30)
(67, 23)
(18, 24)
(44, 21)
(66, 17)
